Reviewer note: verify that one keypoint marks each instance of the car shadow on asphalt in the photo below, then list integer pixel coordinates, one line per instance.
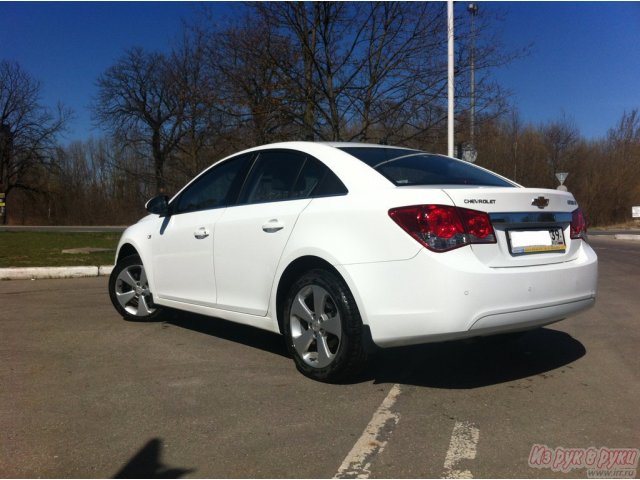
(460, 364)
(234, 332)
(476, 363)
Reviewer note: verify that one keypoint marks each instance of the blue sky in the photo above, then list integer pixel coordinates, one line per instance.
(584, 63)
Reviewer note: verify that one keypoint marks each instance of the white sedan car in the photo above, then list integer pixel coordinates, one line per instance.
(342, 247)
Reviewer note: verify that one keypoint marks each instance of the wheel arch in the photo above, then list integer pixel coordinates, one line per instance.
(292, 273)
(303, 264)
(126, 250)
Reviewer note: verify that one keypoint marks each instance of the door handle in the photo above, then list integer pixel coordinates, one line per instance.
(272, 226)
(201, 233)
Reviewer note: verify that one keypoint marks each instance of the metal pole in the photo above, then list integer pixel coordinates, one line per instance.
(450, 84)
(6, 145)
(473, 10)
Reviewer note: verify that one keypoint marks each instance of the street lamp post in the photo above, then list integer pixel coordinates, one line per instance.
(473, 10)
(450, 78)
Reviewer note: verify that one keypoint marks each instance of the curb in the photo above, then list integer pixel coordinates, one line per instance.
(625, 236)
(33, 273)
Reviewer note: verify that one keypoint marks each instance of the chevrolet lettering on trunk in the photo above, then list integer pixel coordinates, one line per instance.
(479, 200)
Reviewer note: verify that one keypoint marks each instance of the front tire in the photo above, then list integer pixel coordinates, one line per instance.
(129, 291)
(323, 327)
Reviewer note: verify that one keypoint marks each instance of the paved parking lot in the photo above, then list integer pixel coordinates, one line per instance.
(85, 394)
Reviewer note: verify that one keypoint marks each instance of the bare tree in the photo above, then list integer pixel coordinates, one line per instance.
(350, 70)
(252, 97)
(198, 88)
(140, 102)
(296, 25)
(559, 137)
(28, 130)
(623, 163)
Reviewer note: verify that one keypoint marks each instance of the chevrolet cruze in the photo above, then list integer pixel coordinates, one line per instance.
(342, 247)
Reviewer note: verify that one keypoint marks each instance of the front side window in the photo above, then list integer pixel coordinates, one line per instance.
(406, 167)
(214, 188)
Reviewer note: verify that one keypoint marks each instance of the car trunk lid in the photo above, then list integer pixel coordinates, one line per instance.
(532, 226)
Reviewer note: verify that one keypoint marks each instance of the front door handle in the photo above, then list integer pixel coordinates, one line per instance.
(201, 233)
(272, 226)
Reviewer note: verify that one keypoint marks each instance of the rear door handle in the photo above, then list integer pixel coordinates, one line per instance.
(273, 226)
(201, 233)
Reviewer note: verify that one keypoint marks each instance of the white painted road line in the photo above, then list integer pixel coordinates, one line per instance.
(464, 440)
(357, 463)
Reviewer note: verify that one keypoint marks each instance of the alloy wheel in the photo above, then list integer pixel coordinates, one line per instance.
(316, 326)
(132, 291)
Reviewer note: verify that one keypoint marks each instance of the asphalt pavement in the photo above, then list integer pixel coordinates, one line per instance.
(85, 394)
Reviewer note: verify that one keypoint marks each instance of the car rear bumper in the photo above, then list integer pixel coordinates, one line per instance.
(436, 297)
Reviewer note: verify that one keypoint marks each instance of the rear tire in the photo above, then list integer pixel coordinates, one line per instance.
(323, 327)
(130, 293)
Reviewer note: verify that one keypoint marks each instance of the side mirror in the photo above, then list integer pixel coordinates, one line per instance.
(158, 205)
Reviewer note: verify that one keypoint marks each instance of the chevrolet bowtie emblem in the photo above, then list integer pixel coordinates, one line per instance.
(540, 202)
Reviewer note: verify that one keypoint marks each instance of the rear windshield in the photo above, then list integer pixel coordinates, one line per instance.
(406, 167)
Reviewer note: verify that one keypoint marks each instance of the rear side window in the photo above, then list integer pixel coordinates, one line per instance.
(279, 175)
(317, 180)
(272, 177)
(409, 167)
(308, 179)
(330, 185)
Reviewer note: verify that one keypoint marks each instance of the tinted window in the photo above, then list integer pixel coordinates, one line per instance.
(273, 176)
(330, 185)
(214, 188)
(317, 180)
(407, 167)
(311, 173)
(372, 156)
(279, 175)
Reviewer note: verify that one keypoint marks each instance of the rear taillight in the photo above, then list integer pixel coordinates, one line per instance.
(442, 227)
(578, 225)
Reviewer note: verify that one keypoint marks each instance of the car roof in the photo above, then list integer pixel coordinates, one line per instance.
(354, 173)
(297, 144)
(362, 145)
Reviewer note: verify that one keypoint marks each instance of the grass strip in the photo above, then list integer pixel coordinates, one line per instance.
(44, 249)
